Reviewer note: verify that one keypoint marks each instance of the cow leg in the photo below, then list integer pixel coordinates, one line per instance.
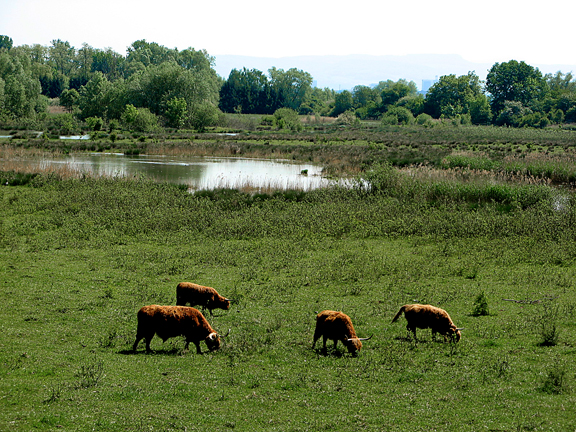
(198, 350)
(413, 330)
(148, 340)
(316, 337)
(138, 339)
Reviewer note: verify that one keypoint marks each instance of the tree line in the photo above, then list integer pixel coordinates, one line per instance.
(153, 86)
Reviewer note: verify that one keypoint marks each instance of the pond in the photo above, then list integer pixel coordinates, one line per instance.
(196, 172)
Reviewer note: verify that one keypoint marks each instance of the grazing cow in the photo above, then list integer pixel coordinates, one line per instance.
(338, 327)
(198, 295)
(426, 316)
(171, 321)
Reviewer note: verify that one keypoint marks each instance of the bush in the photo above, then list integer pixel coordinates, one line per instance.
(94, 123)
(481, 305)
(424, 119)
(140, 119)
(404, 115)
(204, 115)
(535, 120)
(286, 118)
(348, 118)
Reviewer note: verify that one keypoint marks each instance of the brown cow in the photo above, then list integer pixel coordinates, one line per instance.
(171, 321)
(198, 295)
(426, 316)
(338, 327)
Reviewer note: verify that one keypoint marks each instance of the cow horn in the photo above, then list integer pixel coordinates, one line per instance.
(223, 336)
(365, 339)
(212, 335)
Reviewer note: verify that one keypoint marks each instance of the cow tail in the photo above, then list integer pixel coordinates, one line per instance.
(398, 314)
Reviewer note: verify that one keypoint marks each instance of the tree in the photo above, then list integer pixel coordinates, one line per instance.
(93, 97)
(176, 112)
(69, 99)
(21, 91)
(246, 91)
(318, 101)
(454, 96)
(515, 81)
(343, 102)
(109, 62)
(157, 84)
(142, 54)
(62, 56)
(5, 42)
(363, 95)
(290, 87)
(391, 92)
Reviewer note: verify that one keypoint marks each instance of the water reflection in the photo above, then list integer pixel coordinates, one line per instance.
(199, 172)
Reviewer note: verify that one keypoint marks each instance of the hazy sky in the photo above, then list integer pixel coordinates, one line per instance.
(488, 31)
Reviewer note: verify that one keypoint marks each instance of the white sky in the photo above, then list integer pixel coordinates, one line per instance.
(488, 31)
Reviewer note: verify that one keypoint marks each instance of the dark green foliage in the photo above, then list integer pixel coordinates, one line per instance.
(481, 305)
(12, 178)
(555, 381)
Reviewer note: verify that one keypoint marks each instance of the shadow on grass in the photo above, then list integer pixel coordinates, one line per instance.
(170, 351)
(331, 352)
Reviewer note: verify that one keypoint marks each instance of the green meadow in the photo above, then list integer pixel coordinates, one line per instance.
(80, 256)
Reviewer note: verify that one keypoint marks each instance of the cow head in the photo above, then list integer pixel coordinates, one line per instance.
(455, 333)
(221, 302)
(213, 341)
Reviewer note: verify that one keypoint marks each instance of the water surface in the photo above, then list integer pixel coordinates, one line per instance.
(196, 172)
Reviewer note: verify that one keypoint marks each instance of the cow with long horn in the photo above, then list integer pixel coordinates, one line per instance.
(337, 326)
(171, 321)
(426, 316)
(198, 295)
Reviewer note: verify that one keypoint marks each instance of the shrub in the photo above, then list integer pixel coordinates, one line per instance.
(94, 123)
(424, 119)
(480, 305)
(140, 119)
(286, 118)
(555, 380)
(548, 330)
(404, 115)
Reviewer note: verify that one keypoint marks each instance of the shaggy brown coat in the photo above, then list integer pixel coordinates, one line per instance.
(338, 327)
(426, 316)
(198, 295)
(171, 321)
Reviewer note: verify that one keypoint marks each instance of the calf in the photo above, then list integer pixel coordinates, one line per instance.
(198, 295)
(338, 327)
(426, 316)
(171, 321)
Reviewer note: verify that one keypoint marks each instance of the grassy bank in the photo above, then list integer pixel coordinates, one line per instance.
(79, 257)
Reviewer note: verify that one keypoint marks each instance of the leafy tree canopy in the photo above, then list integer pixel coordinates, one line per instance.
(515, 81)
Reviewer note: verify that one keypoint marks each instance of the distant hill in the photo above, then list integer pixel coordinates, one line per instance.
(345, 72)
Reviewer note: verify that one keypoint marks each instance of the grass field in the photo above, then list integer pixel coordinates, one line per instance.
(79, 257)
